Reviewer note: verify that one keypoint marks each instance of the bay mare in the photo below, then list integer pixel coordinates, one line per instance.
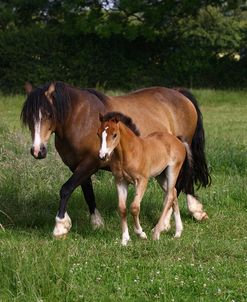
(72, 114)
(134, 159)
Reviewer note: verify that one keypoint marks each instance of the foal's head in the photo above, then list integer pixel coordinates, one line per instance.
(109, 132)
(109, 135)
(41, 112)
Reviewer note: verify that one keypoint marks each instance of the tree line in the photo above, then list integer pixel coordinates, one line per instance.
(123, 44)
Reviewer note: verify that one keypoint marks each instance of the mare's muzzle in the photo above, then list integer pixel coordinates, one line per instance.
(40, 154)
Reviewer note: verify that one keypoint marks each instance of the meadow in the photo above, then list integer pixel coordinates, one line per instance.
(208, 263)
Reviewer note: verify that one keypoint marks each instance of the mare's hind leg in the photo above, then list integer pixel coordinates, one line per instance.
(135, 207)
(122, 189)
(96, 219)
(196, 208)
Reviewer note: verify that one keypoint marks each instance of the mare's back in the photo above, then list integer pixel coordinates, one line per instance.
(157, 109)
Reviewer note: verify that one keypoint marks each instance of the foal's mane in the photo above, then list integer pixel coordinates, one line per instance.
(121, 118)
(62, 98)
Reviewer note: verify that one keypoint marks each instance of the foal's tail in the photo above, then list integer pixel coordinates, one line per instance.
(200, 173)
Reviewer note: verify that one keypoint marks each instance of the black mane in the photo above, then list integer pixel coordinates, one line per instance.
(62, 97)
(121, 118)
(101, 96)
(37, 101)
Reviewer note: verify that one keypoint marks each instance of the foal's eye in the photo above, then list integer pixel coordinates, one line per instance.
(114, 135)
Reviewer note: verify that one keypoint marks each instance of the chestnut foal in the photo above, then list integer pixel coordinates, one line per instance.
(135, 159)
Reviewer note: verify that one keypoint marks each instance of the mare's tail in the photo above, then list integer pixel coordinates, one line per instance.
(200, 173)
(184, 182)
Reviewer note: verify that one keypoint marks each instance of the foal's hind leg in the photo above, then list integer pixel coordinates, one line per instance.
(172, 174)
(178, 221)
(135, 207)
(162, 181)
(96, 219)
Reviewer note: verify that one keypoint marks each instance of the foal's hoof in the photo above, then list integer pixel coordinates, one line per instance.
(200, 215)
(97, 221)
(156, 235)
(178, 235)
(143, 236)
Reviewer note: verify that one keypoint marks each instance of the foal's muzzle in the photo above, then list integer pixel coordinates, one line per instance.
(104, 157)
(40, 154)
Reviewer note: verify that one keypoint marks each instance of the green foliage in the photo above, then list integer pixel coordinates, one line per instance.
(133, 44)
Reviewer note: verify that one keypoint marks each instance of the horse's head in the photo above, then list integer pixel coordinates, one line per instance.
(109, 135)
(39, 114)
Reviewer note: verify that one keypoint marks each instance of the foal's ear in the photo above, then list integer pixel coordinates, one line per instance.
(50, 91)
(28, 88)
(101, 117)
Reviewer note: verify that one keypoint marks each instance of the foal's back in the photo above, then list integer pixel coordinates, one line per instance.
(162, 149)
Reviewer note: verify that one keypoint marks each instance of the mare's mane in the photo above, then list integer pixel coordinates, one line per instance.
(121, 118)
(62, 97)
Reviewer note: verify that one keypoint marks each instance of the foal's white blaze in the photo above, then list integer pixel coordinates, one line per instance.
(104, 150)
(37, 138)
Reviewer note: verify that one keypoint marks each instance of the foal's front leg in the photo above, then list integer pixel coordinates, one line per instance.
(122, 189)
(140, 188)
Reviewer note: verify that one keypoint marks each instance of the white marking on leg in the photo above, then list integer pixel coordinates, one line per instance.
(139, 232)
(104, 150)
(167, 220)
(62, 226)
(96, 220)
(178, 222)
(37, 138)
(196, 208)
(125, 237)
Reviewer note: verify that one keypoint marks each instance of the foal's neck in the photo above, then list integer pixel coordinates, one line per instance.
(128, 142)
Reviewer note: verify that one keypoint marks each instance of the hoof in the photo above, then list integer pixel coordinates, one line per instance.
(178, 235)
(156, 235)
(97, 221)
(200, 215)
(60, 237)
(143, 236)
(62, 226)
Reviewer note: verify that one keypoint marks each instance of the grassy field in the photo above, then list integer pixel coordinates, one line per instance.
(208, 263)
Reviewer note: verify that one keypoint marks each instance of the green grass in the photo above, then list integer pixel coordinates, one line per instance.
(208, 263)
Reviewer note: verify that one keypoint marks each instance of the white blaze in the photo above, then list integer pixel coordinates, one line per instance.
(37, 138)
(104, 150)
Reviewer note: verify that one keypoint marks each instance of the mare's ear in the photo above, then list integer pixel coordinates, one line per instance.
(28, 87)
(101, 117)
(50, 91)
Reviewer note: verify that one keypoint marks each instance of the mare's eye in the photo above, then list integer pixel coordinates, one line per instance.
(114, 135)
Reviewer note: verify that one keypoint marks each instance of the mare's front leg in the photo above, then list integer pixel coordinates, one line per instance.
(122, 189)
(96, 219)
(140, 188)
(81, 174)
